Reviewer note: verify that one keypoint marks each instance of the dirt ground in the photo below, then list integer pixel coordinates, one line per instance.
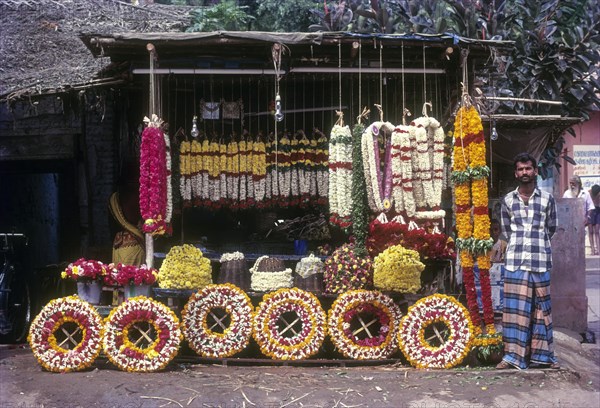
(576, 384)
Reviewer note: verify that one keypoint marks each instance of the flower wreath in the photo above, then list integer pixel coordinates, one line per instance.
(307, 330)
(195, 315)
(425, 313)
(123, 321)
(354, 306)
(57, 314)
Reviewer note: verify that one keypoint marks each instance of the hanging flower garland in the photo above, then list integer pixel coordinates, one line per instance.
(51, 320)
(185, 267)
(471, 196)
(369, 340)
(153, 178)
(359, 193)
(204, 164)
(379, 184)
(346, 270)
(284, 340)
(123, 321)
(214, 173)
(435, 309)
(398, 269)
(185, 169)
(340, 176)
(169, 193)
(259, 171)
(322, 163)
(284, 170)
(233, 338)
(402, 171)
(222, 175)
(418, 142)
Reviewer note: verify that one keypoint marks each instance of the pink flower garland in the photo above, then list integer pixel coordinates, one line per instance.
(153, 181)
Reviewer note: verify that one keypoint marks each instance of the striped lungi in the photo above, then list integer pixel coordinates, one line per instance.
(527, 320)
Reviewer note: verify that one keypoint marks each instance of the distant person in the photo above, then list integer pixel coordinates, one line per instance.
(576, 190)
(499, 248)
(529, 221)
(594, 219)
(124, 206)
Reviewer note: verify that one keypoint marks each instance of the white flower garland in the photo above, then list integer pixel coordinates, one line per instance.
(42, 335)
(235, 337)
(231, 256)
(340, 173)
(287, 344)
(127, 356)
(379, 185)
(204, 168)
(420, 159)
(185, 169)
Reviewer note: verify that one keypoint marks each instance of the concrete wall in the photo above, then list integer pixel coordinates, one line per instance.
(587, 133)
(569, 302)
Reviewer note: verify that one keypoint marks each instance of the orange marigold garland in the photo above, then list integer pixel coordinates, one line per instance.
(472, 220)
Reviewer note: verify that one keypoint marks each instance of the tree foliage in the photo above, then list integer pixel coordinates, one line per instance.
(285, 16)
(226, 15)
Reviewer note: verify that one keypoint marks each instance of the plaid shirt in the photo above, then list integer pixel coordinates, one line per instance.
(529, 230)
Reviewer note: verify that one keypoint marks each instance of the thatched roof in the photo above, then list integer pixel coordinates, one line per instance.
(41, 51)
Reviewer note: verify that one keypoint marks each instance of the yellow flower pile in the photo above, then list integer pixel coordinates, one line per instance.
(398, 269)
(185, 267)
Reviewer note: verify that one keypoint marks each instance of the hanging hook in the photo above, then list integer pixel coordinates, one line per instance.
(380, 111)
(405, 113)
(364, 115)
(425, 108)
(340, 119)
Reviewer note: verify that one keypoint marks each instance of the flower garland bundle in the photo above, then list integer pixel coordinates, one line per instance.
(295, 173)
(379, 186)
(243, 172)
(418, 142)
(345, 270)
(402, 171)
(436, 136)
(132, 275)
(261, 281)
(425, 313)
(231, 256)
(222, 176)
(448, 151)
(284, 176)
(232, 339)
(375, 338)
(432, 246)
(204, 165)
(84, 269)
(291, 341)
(315, 168)
(471, 196)
(259, 170)
(153, 180)
(398, 269)
(123, 321)
(169, 209)
(305, 170)
(185, 267)
(51, 320)
(359, 193)
(322, 162)
(185, 169)
(340, 176)
(232, 173)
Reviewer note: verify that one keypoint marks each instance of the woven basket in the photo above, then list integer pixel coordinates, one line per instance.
(235, 272)
(312, 283)
(271, 265)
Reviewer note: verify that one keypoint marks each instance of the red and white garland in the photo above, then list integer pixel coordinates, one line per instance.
(350, 306)
(233, 338)
(123, 353)
(423, 314)
(52, 318)
(290, 342)
(153, 178)
(402, 172)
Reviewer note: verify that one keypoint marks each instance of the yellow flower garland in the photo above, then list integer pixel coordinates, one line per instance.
(398, 269)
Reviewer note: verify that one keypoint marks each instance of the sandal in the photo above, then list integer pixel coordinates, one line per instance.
(503, 365)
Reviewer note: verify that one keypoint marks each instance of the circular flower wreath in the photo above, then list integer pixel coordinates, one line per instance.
(85, 330)
(425, 313)
(234, 337)
(372, 339)
(282, 338)
(123, 322)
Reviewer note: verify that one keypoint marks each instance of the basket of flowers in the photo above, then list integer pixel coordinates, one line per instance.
(135, 280)
(89, 275)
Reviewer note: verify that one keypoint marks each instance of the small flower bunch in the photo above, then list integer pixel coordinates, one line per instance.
(84, 269)
(132, 275)
(398, 269)
(344, 271)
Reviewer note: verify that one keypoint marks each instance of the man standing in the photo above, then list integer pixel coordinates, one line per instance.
(529, 221)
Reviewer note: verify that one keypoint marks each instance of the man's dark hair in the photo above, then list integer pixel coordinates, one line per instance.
(524, 158)
(595, 189)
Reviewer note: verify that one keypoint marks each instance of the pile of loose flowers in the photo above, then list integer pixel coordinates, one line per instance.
(185, 267)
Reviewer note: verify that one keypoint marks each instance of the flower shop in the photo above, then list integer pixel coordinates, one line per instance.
(304, 197)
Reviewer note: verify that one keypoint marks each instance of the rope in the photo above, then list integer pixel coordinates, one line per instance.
(340, 75)
(381, 76)
(359, 77)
